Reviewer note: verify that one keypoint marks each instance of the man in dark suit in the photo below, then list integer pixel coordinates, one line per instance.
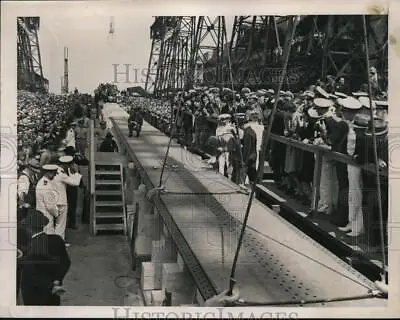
(337, 131)
(364, 154)
(45, 263)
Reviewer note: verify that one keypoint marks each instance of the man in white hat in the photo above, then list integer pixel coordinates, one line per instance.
(47, 197)
(67, 180)
(355, 223)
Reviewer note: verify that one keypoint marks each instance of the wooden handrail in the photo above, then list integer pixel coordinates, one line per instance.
(326, 152)
(92, 144)
(91, 158)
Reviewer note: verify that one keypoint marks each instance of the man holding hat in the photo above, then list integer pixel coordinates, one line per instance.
(46, 262)
(66, 182)
(47, 197)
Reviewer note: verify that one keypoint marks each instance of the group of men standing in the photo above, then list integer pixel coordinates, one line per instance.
(47, 193)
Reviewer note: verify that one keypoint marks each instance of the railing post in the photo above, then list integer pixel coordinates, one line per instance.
(316, 180)
(92, 177)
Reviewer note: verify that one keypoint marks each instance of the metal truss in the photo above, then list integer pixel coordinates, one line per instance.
(208, 53)
(30, 72)
(323, 45)
(170, 54)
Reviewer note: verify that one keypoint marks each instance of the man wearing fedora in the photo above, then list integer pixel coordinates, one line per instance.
(252, 139)
(27, 182)
(45, 264)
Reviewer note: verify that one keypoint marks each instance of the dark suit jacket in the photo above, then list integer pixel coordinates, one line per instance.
(45, 261)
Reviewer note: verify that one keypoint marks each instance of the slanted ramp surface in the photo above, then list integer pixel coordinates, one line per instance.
(278, 263)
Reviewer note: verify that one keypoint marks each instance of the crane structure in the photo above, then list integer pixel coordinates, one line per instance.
(185, 54)
(171, 50)
(323, 45)
(29, 65)
(207, 61)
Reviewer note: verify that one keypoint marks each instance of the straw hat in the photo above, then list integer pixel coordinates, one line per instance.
(360, 94)
(65, 159)
(224, 116)
(365, 101)
(323, 103)
(350, 103)
(50, 167)
(313, 113)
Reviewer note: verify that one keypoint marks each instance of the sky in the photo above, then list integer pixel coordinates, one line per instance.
(93, 53)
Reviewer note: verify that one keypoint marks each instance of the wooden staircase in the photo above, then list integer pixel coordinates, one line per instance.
(109, 203)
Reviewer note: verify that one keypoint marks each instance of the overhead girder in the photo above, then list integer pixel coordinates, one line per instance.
(172, 41)
(30, 72)
(326, 45)
(208, 52)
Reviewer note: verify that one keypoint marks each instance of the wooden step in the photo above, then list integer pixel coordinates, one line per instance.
(106, 182)
(108, 192)
(111, 172)
(108, 203)
(110, 215)
(110, 226)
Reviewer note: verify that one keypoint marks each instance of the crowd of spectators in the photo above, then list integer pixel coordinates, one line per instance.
(228, 124)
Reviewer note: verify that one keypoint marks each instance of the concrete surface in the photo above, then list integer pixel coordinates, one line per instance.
(100, 272)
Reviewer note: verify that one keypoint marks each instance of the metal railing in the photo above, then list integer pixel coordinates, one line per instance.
(205, 285)
(92, 170)
(321, 152)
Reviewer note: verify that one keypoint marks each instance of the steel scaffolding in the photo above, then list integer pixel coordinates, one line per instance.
(29, 68)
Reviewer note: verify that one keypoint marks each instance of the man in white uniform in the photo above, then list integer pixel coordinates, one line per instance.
(61, 180)
(355, 225)
(47, 197)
